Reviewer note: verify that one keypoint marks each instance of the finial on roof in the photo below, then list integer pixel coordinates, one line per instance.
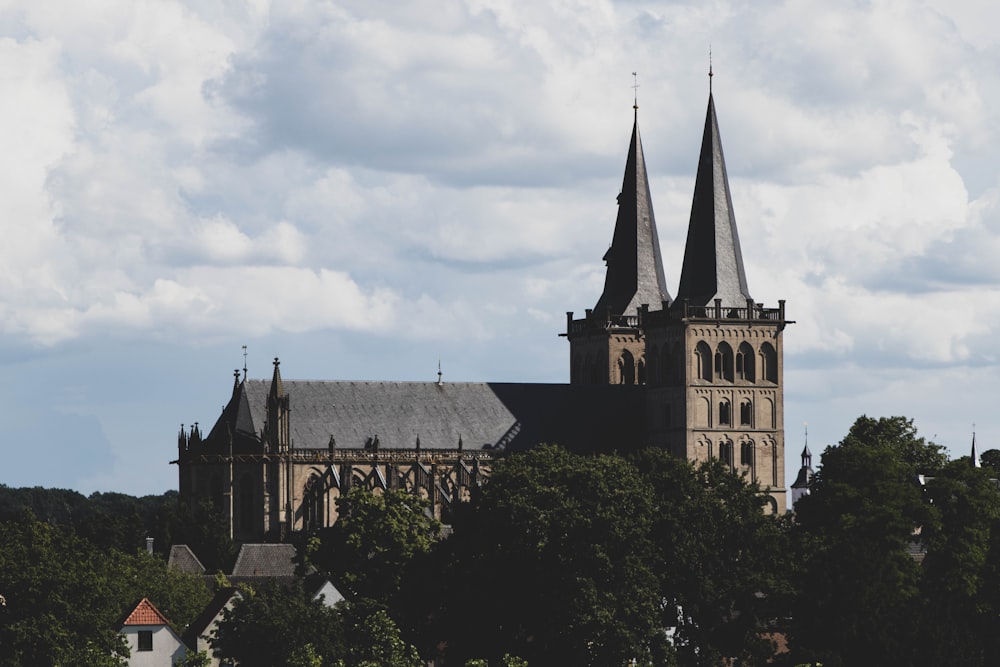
(439, 373)
(244, 362)
(710, 73)
(635, 91)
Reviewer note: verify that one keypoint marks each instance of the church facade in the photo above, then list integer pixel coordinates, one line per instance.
(700, 374)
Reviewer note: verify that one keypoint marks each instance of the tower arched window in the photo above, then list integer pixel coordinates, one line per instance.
(746, 412)
(726, 452)
(725, 413)
(745, 363)
(746, 453)
(703, 361)
(768, 363)
(640, 371)
(724, 362)
(626, 368)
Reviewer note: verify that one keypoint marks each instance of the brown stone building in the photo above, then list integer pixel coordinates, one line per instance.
(699, 374)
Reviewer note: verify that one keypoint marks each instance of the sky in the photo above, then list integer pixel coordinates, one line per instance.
(364, 189)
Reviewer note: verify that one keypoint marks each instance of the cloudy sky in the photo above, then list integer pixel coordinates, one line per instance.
(363, 188)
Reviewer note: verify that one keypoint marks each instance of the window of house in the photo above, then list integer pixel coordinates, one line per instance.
(145, 640)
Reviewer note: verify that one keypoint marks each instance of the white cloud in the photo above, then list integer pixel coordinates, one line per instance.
(197, 172)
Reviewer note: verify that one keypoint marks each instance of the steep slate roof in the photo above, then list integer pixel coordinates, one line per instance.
(635, 267)
(182, 558)
(514, 415)
(713, 262)
(265, 560)
(145, 613)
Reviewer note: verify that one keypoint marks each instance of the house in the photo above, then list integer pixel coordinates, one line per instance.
(151, 640)
(198, 635)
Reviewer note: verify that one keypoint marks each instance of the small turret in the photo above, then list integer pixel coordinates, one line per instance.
(804, 479)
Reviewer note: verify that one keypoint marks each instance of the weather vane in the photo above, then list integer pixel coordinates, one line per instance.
(635, 90)
(244, 362)
(710, 73)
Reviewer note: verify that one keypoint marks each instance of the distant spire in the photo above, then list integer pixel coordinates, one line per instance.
(635, 267)
(713, 261)
(806, 454)
(277, 388)
(976, 463)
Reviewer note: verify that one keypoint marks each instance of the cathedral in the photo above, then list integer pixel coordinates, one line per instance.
(700, 374)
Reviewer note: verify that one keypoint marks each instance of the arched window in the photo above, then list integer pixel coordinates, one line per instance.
(726, 452)
(725, 413)
(768, 363)
(640, 371)
(626, 368)
(746, 412)
(746, 453)
(745, 363)
(724, 362)
(246, 507)
(703, 361)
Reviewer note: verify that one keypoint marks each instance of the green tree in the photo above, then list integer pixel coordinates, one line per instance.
(960, 624)
(857, 583)
(991, 459)
(373, 639)
(721, 561)
(273, 625)
(899, 435)
(369, 548)
(553, 561)
(65, 597)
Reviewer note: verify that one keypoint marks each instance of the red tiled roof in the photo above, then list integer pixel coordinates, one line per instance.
(145, 614)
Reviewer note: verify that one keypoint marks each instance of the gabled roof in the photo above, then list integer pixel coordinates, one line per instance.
(145, 613)
(265, 560)
(182, 558)
(209, 615)
(635, 267)
(483, 414)
(713, 261)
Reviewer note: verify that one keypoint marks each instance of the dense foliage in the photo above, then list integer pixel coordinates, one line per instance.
(894, 558)
(64, 597)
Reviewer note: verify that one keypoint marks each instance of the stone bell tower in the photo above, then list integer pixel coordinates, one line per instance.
(714, 357)
(607, 345)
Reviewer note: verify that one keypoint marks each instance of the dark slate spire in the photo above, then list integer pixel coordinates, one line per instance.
(277, 387)
(635, 268)
(713, 263)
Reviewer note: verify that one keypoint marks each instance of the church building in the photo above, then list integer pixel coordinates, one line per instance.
(699, 374)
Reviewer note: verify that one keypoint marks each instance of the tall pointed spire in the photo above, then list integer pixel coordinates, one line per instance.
(713, 262)
(635, 268)
(976, 462)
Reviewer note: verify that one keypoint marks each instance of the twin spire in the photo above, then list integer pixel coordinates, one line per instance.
(713, 262)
